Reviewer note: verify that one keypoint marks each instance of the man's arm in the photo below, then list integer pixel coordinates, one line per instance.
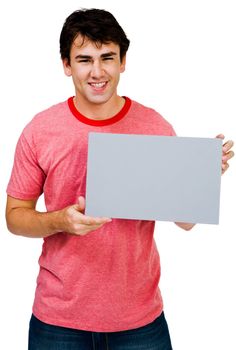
(185, 226)
(23, 219)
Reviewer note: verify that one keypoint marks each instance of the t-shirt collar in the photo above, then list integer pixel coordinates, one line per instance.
(95, 122)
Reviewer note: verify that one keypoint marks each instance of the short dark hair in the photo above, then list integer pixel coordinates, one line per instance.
(97, 25)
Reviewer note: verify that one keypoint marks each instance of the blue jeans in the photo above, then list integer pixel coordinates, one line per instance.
(154, 336)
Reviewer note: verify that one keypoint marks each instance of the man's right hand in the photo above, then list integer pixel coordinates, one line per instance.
(75, 222)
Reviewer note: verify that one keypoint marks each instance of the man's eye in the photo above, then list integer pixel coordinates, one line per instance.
(84, 61)
(107, 58)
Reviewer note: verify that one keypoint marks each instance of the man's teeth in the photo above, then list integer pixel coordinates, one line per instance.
(98, 85)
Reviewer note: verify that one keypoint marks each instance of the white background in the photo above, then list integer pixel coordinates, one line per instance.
(181, 62)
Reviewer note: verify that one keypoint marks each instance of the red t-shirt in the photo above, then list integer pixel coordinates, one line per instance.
(107, 280)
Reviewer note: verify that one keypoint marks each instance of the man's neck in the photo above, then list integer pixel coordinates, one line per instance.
(99, 111)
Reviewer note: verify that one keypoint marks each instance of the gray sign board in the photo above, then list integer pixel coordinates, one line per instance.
(147, 177)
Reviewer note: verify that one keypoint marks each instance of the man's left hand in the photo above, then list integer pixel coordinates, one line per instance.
(227, 153)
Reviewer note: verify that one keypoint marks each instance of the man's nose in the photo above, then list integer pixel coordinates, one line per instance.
(97, 70)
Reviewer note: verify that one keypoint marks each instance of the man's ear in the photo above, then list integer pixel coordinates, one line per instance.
(66, 67)
(122, 64)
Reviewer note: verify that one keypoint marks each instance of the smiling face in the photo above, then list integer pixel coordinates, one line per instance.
(95, 70)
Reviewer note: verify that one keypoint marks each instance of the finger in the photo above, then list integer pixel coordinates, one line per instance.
(227, 146)
(227, 156)
(80, 218)
(220, 136)
(90, 221)
(225, 167)
(83, 229)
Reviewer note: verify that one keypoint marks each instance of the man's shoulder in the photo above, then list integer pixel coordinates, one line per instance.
(54, 111)
(141, 108)
(151, 117)
(48, 117)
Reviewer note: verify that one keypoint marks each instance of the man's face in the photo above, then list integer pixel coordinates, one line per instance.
(95, 70)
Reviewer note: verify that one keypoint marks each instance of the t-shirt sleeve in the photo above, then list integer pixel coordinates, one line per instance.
(27, 178)
(172, 131)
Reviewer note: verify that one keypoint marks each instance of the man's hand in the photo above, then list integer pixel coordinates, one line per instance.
(75, 222)
(227, 153)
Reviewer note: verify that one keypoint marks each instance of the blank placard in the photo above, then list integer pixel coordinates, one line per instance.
(147, 177)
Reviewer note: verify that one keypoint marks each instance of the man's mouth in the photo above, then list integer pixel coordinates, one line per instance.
(98, 86)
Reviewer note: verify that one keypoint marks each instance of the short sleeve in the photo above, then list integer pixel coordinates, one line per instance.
(172, 131)
(27, 178)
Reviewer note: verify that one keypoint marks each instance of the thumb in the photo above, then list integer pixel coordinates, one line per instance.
(81, 204)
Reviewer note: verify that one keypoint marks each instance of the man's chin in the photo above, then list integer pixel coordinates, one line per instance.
(98, 99)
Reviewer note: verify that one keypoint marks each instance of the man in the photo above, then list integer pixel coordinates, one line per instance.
(98, 281)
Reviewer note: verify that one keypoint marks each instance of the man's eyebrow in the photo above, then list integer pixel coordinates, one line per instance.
(108, 54)
(83, 57)
(104, 55)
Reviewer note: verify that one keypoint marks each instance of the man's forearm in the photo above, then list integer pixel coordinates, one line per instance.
(31, 223)
(23, 219)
